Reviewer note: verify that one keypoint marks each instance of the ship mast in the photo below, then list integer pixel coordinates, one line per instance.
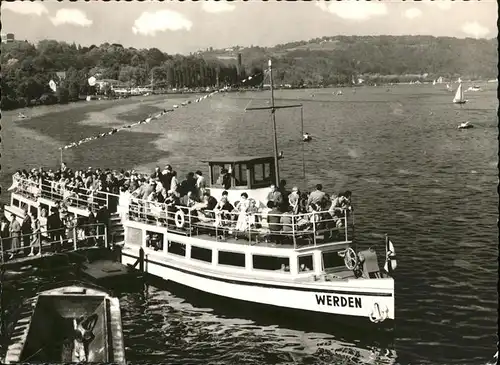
(275, 134)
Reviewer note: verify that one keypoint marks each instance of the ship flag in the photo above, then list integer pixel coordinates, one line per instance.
(390, 260)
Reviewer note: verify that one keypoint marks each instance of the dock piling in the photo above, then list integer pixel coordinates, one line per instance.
(141, 259)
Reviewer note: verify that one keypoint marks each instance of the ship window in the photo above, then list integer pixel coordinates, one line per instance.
(34, 211)
(133, 236)
(262, 173)
(240, 175)
(232, 258)
(332, 261)
(177, 248)
(202, 254)
(154, 240)
(306, 263)
(216, 169)
(271, 263)
(15, 203)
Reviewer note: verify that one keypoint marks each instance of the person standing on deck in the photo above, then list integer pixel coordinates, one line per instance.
(294, 199)
(15, 234)
(284, 196)
(26, 231)
(201, 184)
(166, 177)
(316, 196)
(103, 217)
(54, 228)
(36, 235)
(157, 174)
(274, 222)
(174, 183)
(4, 235)
(275, 196)
(224, 179)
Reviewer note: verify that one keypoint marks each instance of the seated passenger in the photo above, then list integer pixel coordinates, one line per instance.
(223, 210)
(315, 217)
(274, 222)
(253, 218)
(346, 200)
(304, 268)
(287, 220)
(208, 201)
(206, 207)
(188, 199)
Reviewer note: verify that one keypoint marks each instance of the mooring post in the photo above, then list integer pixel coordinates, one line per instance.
(141, 259)
(118, 249)
(106, 236)
(2, 318)
(40, 243)
(75, 245)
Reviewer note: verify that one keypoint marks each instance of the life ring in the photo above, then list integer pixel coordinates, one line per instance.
(179, 219)
(377, 315)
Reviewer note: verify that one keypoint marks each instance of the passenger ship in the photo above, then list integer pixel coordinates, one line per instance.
(312, 267)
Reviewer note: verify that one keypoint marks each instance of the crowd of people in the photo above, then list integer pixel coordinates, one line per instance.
(131, 191)
(60, 228)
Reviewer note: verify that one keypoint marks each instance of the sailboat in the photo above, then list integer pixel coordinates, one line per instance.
(434, 82)
(459, 96)
(460, 99)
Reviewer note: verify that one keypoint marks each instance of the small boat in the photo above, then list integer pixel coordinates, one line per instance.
(465, 125)
(74, 323)
(459, 96)
(474, 88)
(306, 137)
(21, 116)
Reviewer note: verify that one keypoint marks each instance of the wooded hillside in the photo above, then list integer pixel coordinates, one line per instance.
(27, 69)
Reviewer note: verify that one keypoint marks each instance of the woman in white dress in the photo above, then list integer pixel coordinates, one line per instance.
(242, 209)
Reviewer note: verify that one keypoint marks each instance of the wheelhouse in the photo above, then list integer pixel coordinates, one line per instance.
(250, 174)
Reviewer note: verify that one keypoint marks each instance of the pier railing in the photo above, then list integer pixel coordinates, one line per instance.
(80, 197)
(297, 229)
(44, 242)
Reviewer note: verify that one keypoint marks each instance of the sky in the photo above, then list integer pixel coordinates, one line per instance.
(188, 26)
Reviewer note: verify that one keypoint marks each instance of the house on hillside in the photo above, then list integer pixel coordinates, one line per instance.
(104, 82)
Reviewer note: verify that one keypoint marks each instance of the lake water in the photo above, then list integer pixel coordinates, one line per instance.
(413, 174)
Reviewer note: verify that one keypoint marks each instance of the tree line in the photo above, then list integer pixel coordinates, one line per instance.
(327, 61)
(27, 70)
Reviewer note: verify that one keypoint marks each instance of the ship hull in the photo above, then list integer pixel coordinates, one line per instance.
(353, 298)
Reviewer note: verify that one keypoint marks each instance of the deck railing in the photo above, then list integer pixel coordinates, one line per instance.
(56, 240)
(81, 198)
(297, 229)
(300, 229)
